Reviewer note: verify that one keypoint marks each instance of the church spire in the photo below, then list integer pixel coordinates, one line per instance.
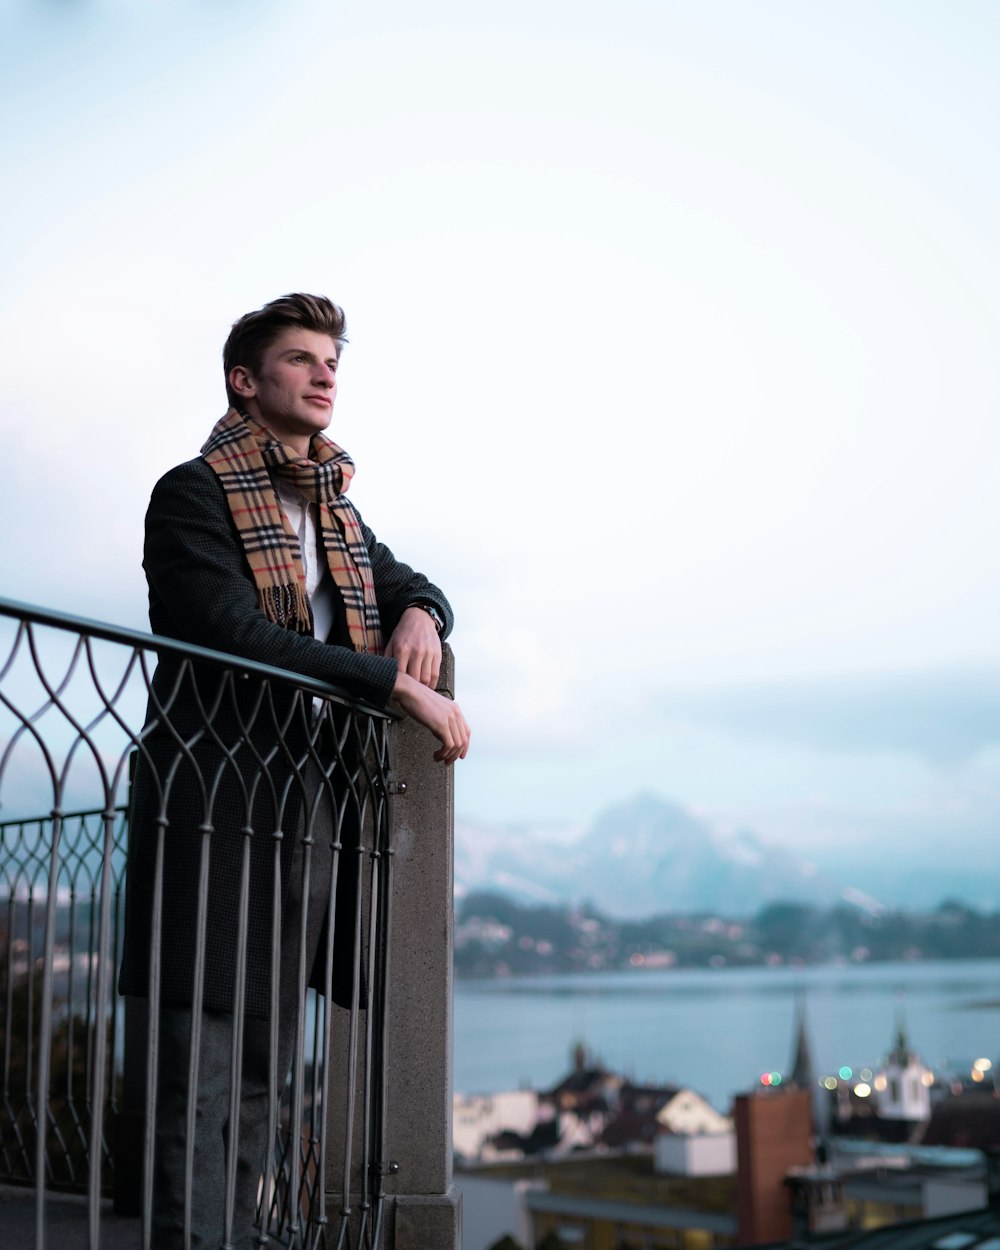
(901, 1052)
(803, 1074)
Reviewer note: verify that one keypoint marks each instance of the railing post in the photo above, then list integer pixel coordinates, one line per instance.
(423, 1209)
(130, 1122)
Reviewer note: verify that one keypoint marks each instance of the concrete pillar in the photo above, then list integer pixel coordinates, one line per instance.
(424, 1208)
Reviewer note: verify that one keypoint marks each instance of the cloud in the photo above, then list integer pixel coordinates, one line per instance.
(943, 716)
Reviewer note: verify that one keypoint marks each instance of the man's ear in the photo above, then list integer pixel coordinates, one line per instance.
(241, 381)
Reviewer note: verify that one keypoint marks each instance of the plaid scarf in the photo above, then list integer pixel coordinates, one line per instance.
(241, 451)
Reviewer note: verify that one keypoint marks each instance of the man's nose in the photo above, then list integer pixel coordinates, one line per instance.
(323, 375)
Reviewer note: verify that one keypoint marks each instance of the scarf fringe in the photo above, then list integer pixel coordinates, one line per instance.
(286, 605)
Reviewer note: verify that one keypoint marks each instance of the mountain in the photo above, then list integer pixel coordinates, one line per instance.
(643, 857)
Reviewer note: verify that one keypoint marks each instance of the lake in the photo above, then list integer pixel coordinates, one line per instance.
(718, 1030)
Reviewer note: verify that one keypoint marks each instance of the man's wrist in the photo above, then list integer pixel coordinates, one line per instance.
(432, 612)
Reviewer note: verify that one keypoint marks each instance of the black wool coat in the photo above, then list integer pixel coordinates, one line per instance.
(227, 753)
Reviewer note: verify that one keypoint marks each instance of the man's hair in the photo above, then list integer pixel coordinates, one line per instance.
(254, 333)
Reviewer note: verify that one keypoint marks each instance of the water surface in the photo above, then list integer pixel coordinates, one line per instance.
(718, 1030)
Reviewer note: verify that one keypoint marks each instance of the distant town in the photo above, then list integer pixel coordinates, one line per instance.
(497, 936)
(892, 1156)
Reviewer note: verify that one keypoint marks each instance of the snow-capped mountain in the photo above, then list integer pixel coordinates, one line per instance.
(642, 857)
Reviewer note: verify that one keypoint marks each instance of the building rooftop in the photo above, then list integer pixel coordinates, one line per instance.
(969, 1230)
(626, 1178)
(971, 1118)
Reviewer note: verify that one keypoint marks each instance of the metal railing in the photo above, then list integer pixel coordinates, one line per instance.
(222, 831)
(25, 848)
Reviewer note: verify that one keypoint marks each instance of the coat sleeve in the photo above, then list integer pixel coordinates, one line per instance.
(398, 587)
(201, 589)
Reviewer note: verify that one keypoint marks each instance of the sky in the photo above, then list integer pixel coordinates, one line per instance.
(673, 360)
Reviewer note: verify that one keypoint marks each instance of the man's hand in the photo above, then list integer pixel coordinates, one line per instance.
(440, 715)
(417, 647)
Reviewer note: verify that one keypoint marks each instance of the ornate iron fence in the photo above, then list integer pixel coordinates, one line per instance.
(234, 774)
(25, 850)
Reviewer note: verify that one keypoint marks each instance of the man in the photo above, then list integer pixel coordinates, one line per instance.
(253, 549)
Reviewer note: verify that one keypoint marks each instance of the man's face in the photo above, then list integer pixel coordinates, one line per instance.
(294, 389)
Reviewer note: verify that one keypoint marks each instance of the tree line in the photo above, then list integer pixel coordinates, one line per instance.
(497, 935)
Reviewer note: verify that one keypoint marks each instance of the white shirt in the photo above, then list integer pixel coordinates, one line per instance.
(320, 588)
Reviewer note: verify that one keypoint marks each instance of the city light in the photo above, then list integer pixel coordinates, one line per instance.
(862, 1089)
(830, 1082)
(927, 1078)
(845, 1073)
(866, 1074)
(770, 1078)
(982, 1065)
(881, 1082)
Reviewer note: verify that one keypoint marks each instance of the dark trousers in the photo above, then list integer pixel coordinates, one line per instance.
(212, 1128)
